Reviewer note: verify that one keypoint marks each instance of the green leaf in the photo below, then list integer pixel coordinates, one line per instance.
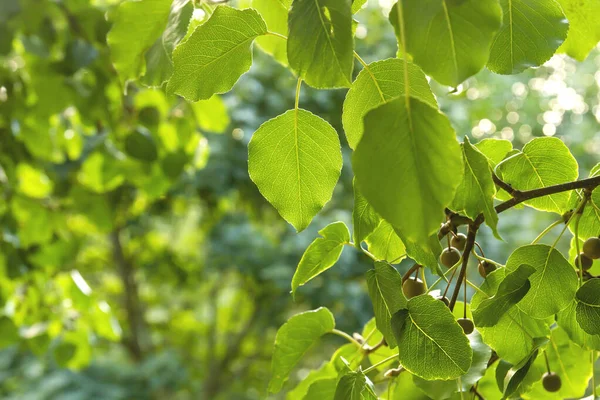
(385, 289)
(511, 290)
(321, 254)
(553, 284)
(33, 182)
(401, 153)
(543, 162)
(140, 145)
(440, 390)
(385, 244)
(476, 192)
(494, 149)
(295, 159)
(353, 386)
(377, 83)
(320, 42)
(589, 223)
(567, 319)
(512, 337)
(531, 32)
(314, 383)
(584, 30)
(570, 362)
(364, 218)
(293, 339)
(10, 332)
(588, 306)
(101, 173)
(431, 343)
(450, 40)
(214, 57)
(322, 389)
(516, 375)
(373, 336)
(403, 388)
(159, 64)
(211, 115)
(357, 5)
(275, 14)
(136, 26)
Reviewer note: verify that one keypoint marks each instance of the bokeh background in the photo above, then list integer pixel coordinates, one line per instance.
(123, 278)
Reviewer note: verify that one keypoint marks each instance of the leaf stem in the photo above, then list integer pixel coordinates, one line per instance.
(279, 35)
(377, 364)
(578, 217)
(297, 101)
(366, 67)
(546, 230)
(346, 336)
(577, 211)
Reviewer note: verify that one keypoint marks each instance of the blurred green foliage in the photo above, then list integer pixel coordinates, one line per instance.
(137, 259)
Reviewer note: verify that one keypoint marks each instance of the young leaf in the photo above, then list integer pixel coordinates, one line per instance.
(275, 14)
(385, 244)
(385, 289)
(214, 57)
(400, 169)
(293, 339)
(377, 83)
(512, 337)
(516, 375)
(553, 284)
(444, 389)
(322, 253)
(476, 192)
(159, 64)
(531, 32)
(567, 319)
(136, 26)
(320, 42)
(536, 167)
(353, 386)
(364, 218)
(511, 290)
(295, 159)
(584, 30)
(431, 343)
(494, 149)
(588, 306)
(450, 40)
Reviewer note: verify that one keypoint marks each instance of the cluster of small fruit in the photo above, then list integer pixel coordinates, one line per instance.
(591, 252)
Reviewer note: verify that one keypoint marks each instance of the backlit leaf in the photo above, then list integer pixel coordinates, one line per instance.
(588, 306)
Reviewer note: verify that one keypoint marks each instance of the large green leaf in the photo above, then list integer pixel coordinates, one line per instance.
(385, 244)
(136, 26)
(584, 29)
(214, 57)
(511, 290)
(293, 339)
(408, 166)
(275, 14)
(385, 289)
(377, 83)
(320, 42)
(543, 162)
(512, 337)
(431, 343)
(364, 218)
(494, 149)
(531, 32)
(588, 306)
(450, 40)
(567, 319)
(440, 390)
(354, 385)
(589, 223)
(295, 159)
(570, 362)
(516, 375)
(476, 192)
(322, 253)
(553, 284)
(159, 64)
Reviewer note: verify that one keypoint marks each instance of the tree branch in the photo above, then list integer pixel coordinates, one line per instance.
(131, 298)
(471, 235)
(506, 186)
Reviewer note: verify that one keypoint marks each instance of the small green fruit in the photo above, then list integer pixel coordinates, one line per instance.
(467, 325)
(551, 382)
(485, 268)
(413, 287)
(583, 261)
(449, 257)
(591, 248)
(459, 241)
